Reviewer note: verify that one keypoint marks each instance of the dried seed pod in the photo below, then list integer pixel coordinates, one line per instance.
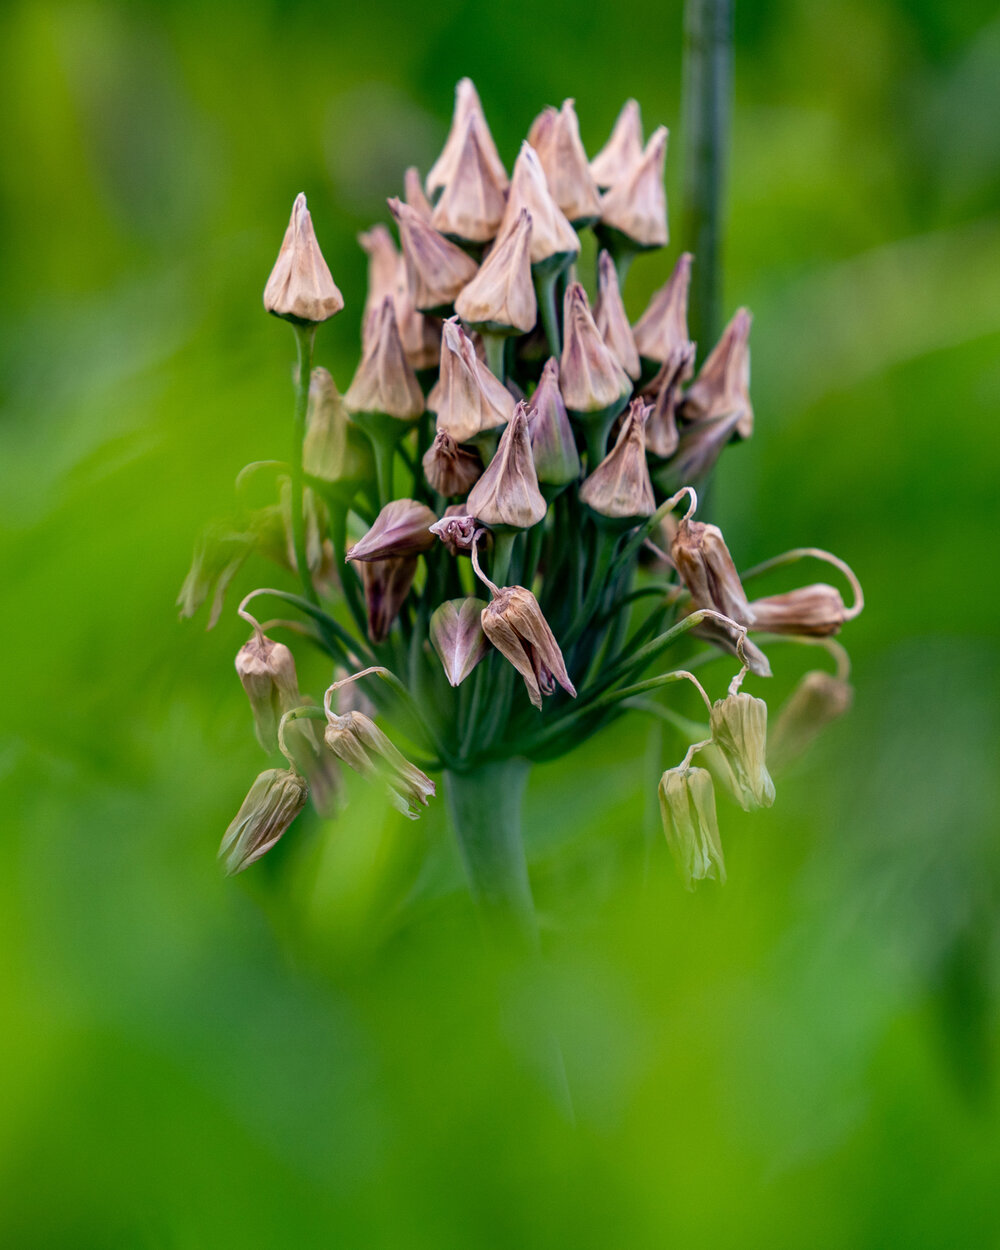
(555, 136)
(334, 450)
(386, 584)
(500, 299)
(358, 741)
(591, 378)
(611, 319)
(636, 206)
(553, 446)
(450, 469)
(722, 387)
(623, 149)
(661, 332)
(690, 823)
(553, 239)
(514, 623)
(275, 799)
(817, 610)
(301, 288)
(739, 730)
(266, 670)
(507, 494)
(818, 700)
(457, 636)
(467, 398)
(472, 203)
(402, 528)
(436, 270)
(619, 488)
(467, 105)
(385, 382)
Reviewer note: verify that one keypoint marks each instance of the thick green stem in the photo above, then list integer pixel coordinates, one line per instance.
(503, 547)
(304, 339)
(545, 291)
(494, 344)
(384, 451)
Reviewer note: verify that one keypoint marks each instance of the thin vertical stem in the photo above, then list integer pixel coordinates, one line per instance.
(545, 292)
(304, 339)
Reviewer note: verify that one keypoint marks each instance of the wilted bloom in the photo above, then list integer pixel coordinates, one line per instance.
(816, 701)
(383, 269)
(553, 239)
(619, 488)
(739, 730)
(722, 387)
(514, 623)
(414, 193)
(662, 436)
(267, 672)
(636, 206)
(436, 270)
(687, 805)
(816, 610)
(467, 398)
(501, 297)
(467, 104)
(611, 319)
(334, 450)
(553, 445)
(472, 203)
(450, 469)
(591, 378)
(219, 554)
(458, 530)
(457, 636)
(385, 381)
(275, 799)
(507, 494)
(386, 584)
(358, 741)
(623, 149)
(402, 528)
(555, 136)
(661, 332)
(301, 288)
(314, 762)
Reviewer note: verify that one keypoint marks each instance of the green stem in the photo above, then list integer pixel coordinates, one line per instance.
(545, 291)
(304, 338)
(503, 547)
(607, 541)
(494, 344)
(384, 449)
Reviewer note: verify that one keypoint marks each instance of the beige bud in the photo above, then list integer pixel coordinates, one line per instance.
(612, 320)
(358, 741)
(636, 205)
(383, 267)
(402, 528)
(266, 670)
(816, 610)
(619, 487)
(555, 136)
(623, 149)
(553, 239)
(661, 332)
(301, 288)
(386, 583)
(467, 399)
(739, 730)
(553, 445)
(457, 636)
(413, 192)
(385, 381)
(467, 105)
(507, 494)
(501, 297)
(436, 270)
(450, 469)
(471, 205)
(662, 435)
(722, 387)
(514, 623)
(818, 700)
(690, 823)
(591, 378)
(420, 336)
(334, 450)
(275, 799)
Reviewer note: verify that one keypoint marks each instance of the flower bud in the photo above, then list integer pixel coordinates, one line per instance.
(816, 610)
(623, 149)
(334, 450)
(555, 136)
(662, 435)
(661, 332)
(472, 203)
(420, 336)
(591, 378)
(413, 192)
(436, 270)
(266, 670)
(467, 398)
(301, 288)
(501, 297)
(458, 530)
(636, 205)
(687, 805)
(619, 488)
(383, 268)
(467, 105)
(400, 529)
(275, 799)
(514, 623)
(358, 741)
(553, 446)
(739, 730)
(553, 239)
(384, 381)
(722, 387)
(457, 636)
(507, 494)
(611, 319)
(450, 469)
(817, 701)
(386, 584)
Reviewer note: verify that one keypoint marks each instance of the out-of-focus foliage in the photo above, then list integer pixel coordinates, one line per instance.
(322, 1053)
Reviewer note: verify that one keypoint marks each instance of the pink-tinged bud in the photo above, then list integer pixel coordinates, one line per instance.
(739, 730)
(553, 445)
(457, 636)
(436, 270)
(661, 332)
(553, 239)
(636, 206)
(722, 387)
(413, 192)
(383, 268)
(514, 623)
(501, 297)
(386, 584)
(816, 611)
(591, 379)
(266, 670)
(458, 530)
(623, 149)
(611, 319)
(358, 741)
(275, 799)
(467, 105)
(818, 700)
(467, 399)
(419, 335)
(385, 381)
(301, 288)
(507, 494)
(450, 469)
(472, 203)
(402, 528)
(690, 823)
(334, 450)
(555, 136)
(619, 488)
(662, 435)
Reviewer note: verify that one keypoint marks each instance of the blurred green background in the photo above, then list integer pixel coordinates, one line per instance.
(320, 1052)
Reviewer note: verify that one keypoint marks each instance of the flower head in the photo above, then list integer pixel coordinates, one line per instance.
(301, 288)
(467, 105)
(619, 488)
(690, 823)
(334, 450)
(402, 528)
(266, 670)
(611, 319)
(661, 332)
(472, 202)
(636, 205)
(591, 378)
(555, 136)
(553, 445)
(467, 398)
(553, 239)
(722, 387)
(385, 381)
(386, 583)
(739, 730)
(507, 494)
(623, 149)
(358, 741)
(275, 799)
(436, 270)
(514, 623)
(501, 297)
(457, 636)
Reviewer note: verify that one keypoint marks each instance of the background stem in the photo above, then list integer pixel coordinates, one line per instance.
(304, 339)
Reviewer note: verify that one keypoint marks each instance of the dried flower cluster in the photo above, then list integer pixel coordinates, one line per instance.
(467, 519)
